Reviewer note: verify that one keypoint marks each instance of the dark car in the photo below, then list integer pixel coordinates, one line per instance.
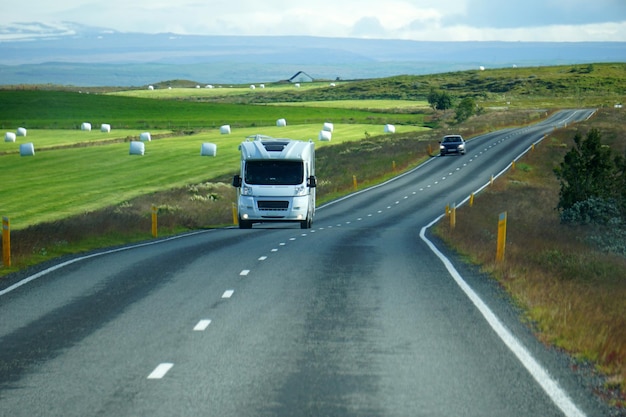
(452, 144)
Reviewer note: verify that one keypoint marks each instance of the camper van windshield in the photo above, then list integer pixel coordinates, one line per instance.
(274, 172)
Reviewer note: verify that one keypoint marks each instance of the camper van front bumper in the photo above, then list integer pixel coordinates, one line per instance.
(273, 208)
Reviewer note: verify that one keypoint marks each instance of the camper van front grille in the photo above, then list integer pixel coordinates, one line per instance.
(273, 205)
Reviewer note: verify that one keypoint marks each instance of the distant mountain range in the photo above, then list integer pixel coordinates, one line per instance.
(72, 54)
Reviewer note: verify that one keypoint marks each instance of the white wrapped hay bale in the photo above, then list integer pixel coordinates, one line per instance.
(137, 148)
(27, 149)
(21, 131)
(225, 130)
(85, 126)
(105, 128)
(150, 87)
(390, 129)
(208, 149)
(9, 137)
(329, 127)
(325, 136)
(281, 122)
(145, 137)
(252, 87)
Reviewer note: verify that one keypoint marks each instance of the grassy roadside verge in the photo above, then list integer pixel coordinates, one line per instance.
(573, 293)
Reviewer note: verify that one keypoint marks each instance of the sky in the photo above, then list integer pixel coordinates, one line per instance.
(422, 20)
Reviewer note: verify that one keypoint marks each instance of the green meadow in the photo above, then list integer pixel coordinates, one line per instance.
(43, 109)
(74, 172)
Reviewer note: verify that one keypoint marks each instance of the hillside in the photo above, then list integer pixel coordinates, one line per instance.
(101, 57)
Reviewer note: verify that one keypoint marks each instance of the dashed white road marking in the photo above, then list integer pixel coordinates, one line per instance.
(202, 325)
(262, 258)
(160, 371)
(228, 293)
(244, 273)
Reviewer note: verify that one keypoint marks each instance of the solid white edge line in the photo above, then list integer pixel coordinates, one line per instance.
(543, 378)
(160, 371)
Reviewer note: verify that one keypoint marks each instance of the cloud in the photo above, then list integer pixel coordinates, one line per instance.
(537, 13)
(368, 27)
(530, 20)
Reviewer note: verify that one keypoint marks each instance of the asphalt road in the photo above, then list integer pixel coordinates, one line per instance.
(362, 315)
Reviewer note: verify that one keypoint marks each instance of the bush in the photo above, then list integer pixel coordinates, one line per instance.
(588, 171)
(439, 100)
(593, 210)
(465, 109)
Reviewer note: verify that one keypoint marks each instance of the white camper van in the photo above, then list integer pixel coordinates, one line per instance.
(277, 181)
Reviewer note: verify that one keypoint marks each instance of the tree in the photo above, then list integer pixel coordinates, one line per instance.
(439, 100)
(465, 109)
(587, 171)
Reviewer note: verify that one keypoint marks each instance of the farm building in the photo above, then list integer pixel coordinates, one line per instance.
(301, 77)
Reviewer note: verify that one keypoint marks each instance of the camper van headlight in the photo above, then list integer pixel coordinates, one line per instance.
(300, 190)
(245, 190)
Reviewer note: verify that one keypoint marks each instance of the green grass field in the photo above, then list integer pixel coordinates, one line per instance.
(34, 109)
(58, 183)
(202, 91)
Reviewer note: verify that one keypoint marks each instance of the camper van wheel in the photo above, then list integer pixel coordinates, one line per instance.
(305, 224)
(245, 224)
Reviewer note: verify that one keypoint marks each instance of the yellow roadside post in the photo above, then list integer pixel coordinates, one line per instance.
(354, 181)
(235, 219)
(471, 200)
(453, 216)
(6, 241)
(501, 237)
(154, 220)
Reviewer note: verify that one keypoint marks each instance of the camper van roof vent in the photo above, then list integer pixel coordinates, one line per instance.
(275, 146)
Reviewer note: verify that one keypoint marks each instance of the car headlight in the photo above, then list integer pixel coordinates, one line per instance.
(300, 190)
(246, 190)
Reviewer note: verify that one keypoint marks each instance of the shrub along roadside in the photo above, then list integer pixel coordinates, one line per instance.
(572, 290)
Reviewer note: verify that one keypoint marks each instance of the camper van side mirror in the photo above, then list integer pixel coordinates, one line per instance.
(237, 181)
(312, 182)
